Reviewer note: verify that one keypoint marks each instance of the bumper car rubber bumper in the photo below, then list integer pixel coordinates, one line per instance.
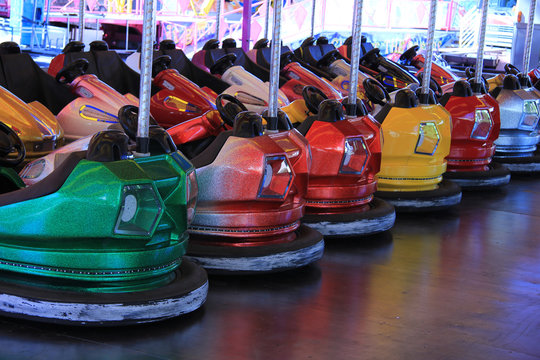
(380, 217)
(186, 293)
(497, 176)
(446, 195)
(520, 164)
(308, 247)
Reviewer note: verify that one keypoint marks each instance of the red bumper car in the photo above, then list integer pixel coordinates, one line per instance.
(475, 127)
(346, 159)
(440, 74)
(252, 190)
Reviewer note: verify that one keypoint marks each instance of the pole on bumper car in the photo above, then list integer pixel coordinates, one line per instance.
(355, 57)
(82, 5)
(246, 24)
(426, 78)
(529, 36)
(477, 85)
(267, 19)
(149, 34)
(218, 17)
(314, 5)
(275, 49)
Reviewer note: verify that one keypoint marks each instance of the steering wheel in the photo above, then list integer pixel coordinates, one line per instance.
(328, 58)
(229, 111)
(160, 63)
(375, 92)
(470, 72)
(72, 71)
(128, 117)
(313, 97)
(223, 63)
(409, 54)
(511, 69)
(10, 142)
(370, 58)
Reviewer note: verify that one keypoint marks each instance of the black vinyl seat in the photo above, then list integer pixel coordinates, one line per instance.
(23, 77)
(184, 66)
(109, 67)
(264, 55)
(213, 55)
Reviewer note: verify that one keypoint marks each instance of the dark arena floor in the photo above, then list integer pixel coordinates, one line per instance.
(462, 284)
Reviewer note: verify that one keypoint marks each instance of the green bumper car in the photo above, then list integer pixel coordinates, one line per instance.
(100, 240)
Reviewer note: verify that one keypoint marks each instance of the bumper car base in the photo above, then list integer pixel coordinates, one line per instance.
(308, 247)
(446, 195)
(521, 165)
(183, 295)
(379, 218)
(497, 176)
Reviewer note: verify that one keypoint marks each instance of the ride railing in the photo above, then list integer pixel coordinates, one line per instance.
(498, 34)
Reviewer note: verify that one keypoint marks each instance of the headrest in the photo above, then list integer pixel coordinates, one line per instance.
(462, 88)
(167, 45)
(261, 44)
(248, 124)
(228, 44)
(511, 82)
(160, 141)
(108, 145)
(406, 98)
(9, 47)
(348, 41)
(211, 44)
(310, 41)
(99, 45)
(73, 46)
(322, 40)
(331, 111)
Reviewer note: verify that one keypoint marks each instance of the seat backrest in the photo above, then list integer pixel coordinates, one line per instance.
(264, 56)
(24, 78)
(109, 67)
(180, 62)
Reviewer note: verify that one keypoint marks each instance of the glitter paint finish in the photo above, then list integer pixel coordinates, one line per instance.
(70, 234)
(329, 185)
(34, 124)
(228, 202)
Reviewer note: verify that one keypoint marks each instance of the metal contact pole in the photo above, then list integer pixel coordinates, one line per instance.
(149, 34)
(246, 24)
(313, 6)
(275, 67)
(477, 86)
(267, 19)
(218, 18)
(426, 79)
(355, 57)
(82, 5)
(528, 41)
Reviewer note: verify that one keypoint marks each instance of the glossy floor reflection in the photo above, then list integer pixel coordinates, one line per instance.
(464, 284)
